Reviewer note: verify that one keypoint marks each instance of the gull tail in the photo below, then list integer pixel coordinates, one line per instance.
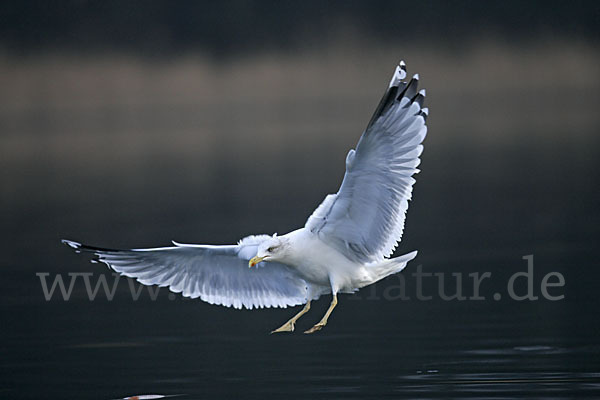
(388, 267)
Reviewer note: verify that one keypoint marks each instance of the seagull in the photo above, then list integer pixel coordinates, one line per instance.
(344, 245)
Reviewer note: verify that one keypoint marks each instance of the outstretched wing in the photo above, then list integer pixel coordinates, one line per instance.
(365, 219)
(216, 274)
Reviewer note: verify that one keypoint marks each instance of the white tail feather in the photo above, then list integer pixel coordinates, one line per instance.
(388, 267)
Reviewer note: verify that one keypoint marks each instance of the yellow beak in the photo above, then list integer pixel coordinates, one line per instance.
(255, 260)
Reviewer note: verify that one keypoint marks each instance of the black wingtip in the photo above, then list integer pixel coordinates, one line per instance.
(419, 98)
(411, 89)
(424, 112)
(402, 66)
(384, 105)
(79, 247)
(71, 243)
(397, 91)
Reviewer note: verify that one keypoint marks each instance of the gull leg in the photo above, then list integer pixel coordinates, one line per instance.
(289, 326)
(323, 320)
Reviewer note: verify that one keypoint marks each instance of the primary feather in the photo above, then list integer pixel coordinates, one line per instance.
(365, 218)
(215, 274)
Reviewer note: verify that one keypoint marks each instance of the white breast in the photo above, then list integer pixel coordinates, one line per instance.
(321, 264)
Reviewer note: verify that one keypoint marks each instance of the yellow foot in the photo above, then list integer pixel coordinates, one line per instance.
(287, 327)
(315, 328)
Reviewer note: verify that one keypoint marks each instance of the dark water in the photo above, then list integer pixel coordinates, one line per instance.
(168, 348)
(477, 208)
(374, 347)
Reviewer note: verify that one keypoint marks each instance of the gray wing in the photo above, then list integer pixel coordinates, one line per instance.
(216, 274)
(365, 219)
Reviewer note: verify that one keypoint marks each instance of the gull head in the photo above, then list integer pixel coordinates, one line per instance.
(272, 249)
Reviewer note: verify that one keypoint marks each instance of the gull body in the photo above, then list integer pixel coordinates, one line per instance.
(344, 245)
(324, 267)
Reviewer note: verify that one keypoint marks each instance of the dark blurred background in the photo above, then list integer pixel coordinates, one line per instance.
(228, 28)
(130, 124)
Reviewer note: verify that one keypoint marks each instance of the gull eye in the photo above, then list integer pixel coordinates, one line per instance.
(271, 249)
